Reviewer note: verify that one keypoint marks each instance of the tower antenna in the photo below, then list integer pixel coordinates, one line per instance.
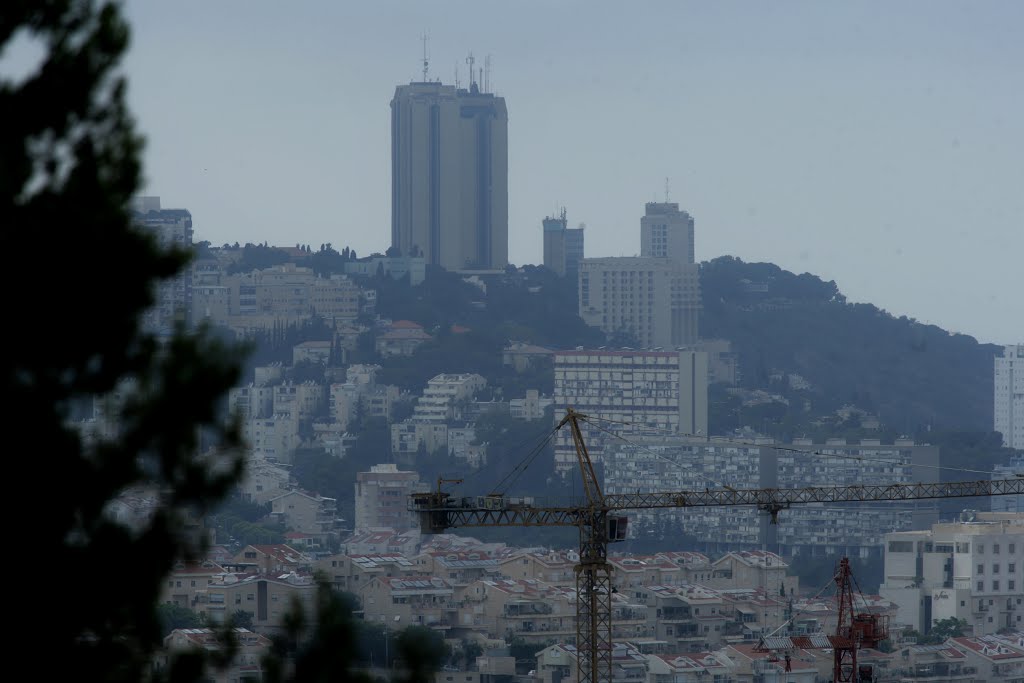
(666, 190)
(426, 59)
(470, 61)
(456, 75)
(487, 73)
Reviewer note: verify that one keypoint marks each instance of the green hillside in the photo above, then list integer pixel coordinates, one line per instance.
(913, 376)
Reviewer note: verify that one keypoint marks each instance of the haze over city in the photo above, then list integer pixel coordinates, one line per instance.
(879, 148)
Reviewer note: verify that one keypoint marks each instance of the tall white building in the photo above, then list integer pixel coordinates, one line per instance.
(1009, 396)
(1013, 468)
(634, 391)
(971, 569)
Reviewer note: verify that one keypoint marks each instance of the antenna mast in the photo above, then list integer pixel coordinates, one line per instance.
(471, 61)
(666, 190)
(426, 60)
(487, 74)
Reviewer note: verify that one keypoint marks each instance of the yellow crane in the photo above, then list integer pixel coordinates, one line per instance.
(600, 523)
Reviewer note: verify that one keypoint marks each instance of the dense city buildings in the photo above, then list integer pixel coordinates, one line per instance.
(449, 175)
(632, 392)
(1009, 396)
(172, 229)
(653, 298)
(653, 462)
(563, 246)
(971, 569)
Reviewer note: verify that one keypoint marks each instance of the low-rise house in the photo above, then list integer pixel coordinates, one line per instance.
(690, 617)
(275, 558)
(186, 581)
(378, 540)
(559, 662)
(410, 600)
(245, 665)
(267, 597)
(753, 568)
(534, 611)
(351, 572)
(552, 566)
(308, 513)
(994, 657)
(401, 338)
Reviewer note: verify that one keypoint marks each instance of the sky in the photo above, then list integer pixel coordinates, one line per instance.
(877, 144)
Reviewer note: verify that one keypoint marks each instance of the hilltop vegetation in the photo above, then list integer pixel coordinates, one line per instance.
(912, 375)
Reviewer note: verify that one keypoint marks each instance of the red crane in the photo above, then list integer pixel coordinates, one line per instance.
(854, 630)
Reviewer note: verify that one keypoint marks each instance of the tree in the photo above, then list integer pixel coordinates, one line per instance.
(174, 616)
(943, 629)
(69, 168)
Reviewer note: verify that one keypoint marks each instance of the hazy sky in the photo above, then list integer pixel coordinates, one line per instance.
(879, 144)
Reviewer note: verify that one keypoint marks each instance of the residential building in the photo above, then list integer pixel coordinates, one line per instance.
(993, 657)
(689, 617)
(382, 498)
(443, 395)
(401, 338)
(304, 400)
(263, 480)
(633, 391)
(532, 610)
(408, 436)
(416, 600)
(172, 229)
(273, 438)
(654, 300)
(532, 407)
(308, 513)
(1009, 396)
(318, 352)
(523, 356)
(377, 541)
(560, 662)
(275, 558)
(449, 175)
(268, 598)
(351, 572)
(246, 663)
(971, 569)
(397, 267)
(652, 463)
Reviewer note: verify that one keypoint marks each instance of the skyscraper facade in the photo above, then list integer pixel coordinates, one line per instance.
(563, 246)
(666, 232)
(449, 175)
(1009, 396)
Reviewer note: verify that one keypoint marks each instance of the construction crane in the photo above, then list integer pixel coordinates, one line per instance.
(854, 630)
(599, 524)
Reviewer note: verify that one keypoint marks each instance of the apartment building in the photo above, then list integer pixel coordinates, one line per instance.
(382, 498)
(304, 400)
(172, 229)
(663, 569)
(672, 463)
(630, 392)
(534, 611)
(1009, 396)
(415, 600)
(246, 663)
(971, 569)
(443, 394)
(689, 617)
(308, 513)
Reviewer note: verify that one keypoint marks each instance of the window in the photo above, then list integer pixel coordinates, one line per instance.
(1013, 548)
(995, 585)
(995, 548)
(901, 546)
(1011, 585)
(995, 569)
(981, 569)
(981, 548)
(981, 586)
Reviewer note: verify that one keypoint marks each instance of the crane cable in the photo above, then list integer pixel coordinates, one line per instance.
(733, 442)
(523, 464)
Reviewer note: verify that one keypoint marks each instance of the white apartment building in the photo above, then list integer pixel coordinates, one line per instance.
(971, 569)
(673, 463)
(442, 395)
(382, 498)
(634, 391)
(531, 407)
(1009, 396)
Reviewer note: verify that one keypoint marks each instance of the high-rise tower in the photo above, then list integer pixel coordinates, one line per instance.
(449, 175)
(1009, 396)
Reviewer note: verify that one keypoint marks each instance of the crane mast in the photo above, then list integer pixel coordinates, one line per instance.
(598, 526)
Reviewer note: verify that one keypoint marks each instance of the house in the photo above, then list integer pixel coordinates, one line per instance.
(272, 559)
(246, 664)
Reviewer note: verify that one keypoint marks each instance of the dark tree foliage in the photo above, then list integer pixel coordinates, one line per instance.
(259, 257)
(69, 167)
(911, 374)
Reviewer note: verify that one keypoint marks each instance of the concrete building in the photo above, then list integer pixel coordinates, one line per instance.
(246, 661)
(443, 394)
(971, 569)
(563, 247)
(308, 513)
(395, 266)
(654, 462)
(666, 232)
(173, 230)
(656, 300)
(449, 175)
(654, 297)
(532, 407)
(1009, 396)
(664, 391)
(382, 497)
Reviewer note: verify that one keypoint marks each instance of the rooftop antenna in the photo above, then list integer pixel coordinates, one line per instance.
(487, 73)
(666, 190)
(470, 61)
(426, 60)
(456, 75)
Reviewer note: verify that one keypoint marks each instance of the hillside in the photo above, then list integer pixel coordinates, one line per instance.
(913, 376)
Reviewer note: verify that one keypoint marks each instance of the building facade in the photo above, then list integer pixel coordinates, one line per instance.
(173, 230)
(449, 175)
(382, 496)
(1009, 396)
(634, 391)
(971, 569)
(563, 247)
